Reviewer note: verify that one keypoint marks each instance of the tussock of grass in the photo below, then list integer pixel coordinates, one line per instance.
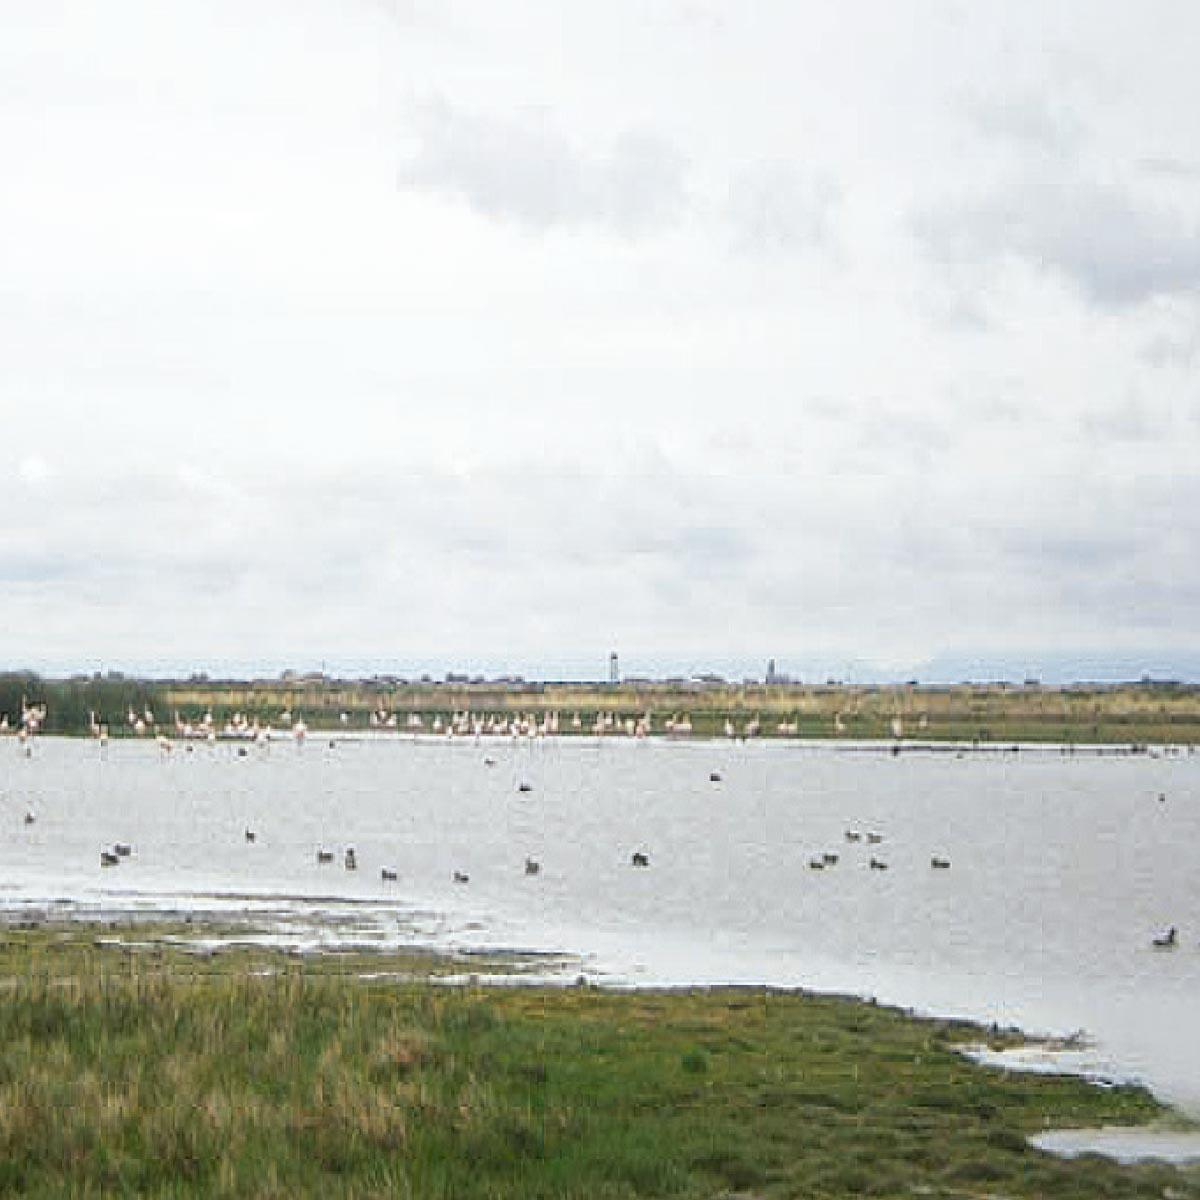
(143, 1077)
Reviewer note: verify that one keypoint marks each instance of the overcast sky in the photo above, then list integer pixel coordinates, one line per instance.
(395, 334)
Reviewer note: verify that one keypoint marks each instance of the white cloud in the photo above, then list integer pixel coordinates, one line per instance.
(33, 470)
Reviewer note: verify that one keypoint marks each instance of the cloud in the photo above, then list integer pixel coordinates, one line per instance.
(1115, 250)
(1173, 349)
(523, 170)
(1028, 122)
(34, 471)
(526, 558)
(774, 207)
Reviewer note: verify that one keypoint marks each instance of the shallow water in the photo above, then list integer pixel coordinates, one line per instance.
(1127, 1145)
(1063, 868)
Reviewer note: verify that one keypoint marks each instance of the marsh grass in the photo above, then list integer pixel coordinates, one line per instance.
(131, 1075)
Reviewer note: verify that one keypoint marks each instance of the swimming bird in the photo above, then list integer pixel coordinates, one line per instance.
(532, 866)
(830, 859)
(250, 835)
(874, 838)
(940, 864)
(640, 859)
(30, 817)
(524, 787)
(1167, 941)
(350, 859)
(817, 864)
(461, 877)
(387, 875)
(852, 835)
(877, 864)
(108, 858)
(324, 856)
(714, 777)
(122, 849)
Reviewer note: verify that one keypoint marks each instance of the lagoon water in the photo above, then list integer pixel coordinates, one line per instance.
(1063, 867)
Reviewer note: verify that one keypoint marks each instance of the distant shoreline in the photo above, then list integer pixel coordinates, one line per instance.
(1134, 715)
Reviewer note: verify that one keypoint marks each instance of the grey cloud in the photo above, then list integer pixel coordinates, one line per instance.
(1168, 350)
(1166, 167)
(1129, 420)
(19, 566)
(1056, 553)
(773, 207)
(1028, 121)
(1115, 251)
(508, 556)
(527, 172)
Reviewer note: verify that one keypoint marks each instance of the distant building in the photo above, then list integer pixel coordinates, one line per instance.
(774, 675)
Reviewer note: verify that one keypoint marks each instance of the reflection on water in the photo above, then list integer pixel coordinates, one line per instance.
(1061, 869)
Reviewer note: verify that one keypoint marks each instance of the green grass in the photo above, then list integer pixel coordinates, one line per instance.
(132, 1075)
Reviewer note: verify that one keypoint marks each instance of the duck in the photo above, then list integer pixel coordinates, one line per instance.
(524, 787)
(122, 849)
(714, 777)
(830, 859)
(1167, 941)
(852, 835)
(108, 859)
(462, 877)
(939, 864)
(30, 817)
(877, 864)
(532, 866)
(640, 859)
(387, 875)
(324, 856)
(350, 859)
(250, 835)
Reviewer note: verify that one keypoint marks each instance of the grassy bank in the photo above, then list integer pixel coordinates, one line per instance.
(152, 1074)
